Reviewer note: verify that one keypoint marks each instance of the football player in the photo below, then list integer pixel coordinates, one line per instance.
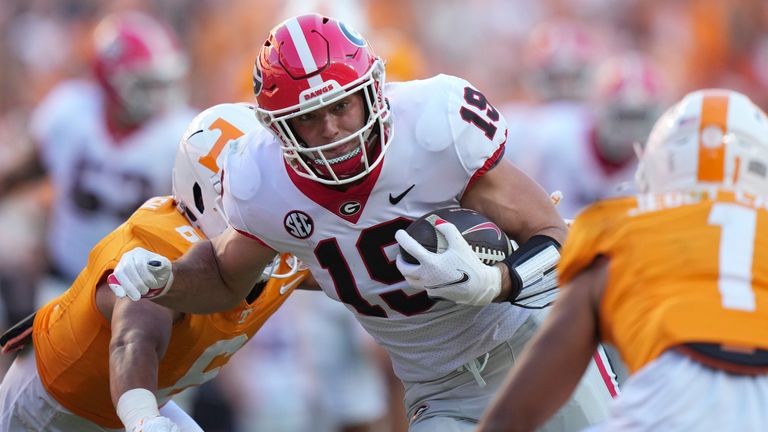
(114, 131)
(675, 278)
(586, 151)
(350, 162)
(100, 363)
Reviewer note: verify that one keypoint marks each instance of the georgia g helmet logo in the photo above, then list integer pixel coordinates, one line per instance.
(353, 36)
(257, 79)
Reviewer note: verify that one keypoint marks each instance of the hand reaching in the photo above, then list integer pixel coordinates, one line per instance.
(141, 274)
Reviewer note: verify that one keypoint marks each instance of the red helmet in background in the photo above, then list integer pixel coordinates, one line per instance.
(628, 97)
(559, 58)
(140, 64)
(309, 62)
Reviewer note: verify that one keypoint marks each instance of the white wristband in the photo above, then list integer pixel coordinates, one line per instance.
(136, 404)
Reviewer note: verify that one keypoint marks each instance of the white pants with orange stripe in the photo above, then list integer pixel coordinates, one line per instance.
(456, 402)
(677, 394)
(26, 406)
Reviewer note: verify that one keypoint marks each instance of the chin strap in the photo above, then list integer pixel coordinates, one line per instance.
(533, 270)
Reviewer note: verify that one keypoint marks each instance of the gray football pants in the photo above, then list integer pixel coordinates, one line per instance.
(456, 402)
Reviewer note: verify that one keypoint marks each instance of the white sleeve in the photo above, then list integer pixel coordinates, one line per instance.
(53, 118)
(478, 131)
(44, 117)
(43, 124)
(241, 179)
(235, 191)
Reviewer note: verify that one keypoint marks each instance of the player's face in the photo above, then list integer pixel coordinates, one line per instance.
(332, 123)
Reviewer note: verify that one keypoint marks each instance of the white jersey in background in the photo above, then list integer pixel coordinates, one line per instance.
(347, 238)
(554, 144)
(98, 182)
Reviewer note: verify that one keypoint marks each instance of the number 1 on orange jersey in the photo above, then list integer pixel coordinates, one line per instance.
(737, 243)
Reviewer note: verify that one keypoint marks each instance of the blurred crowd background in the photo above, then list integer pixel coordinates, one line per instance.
(697, 43)
(580, 82)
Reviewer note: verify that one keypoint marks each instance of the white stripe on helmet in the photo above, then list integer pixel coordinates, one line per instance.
(302, 48)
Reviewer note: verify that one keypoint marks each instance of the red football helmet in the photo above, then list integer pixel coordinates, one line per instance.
(559, 58)
(628, 97)
(139, 63)
(309, 62)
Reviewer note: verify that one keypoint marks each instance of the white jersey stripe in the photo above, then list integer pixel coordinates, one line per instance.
(302, 48)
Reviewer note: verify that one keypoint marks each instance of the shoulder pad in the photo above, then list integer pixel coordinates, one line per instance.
(164, 230)
(436, 125)
(240, 169)
(452, 111)
(65, 103)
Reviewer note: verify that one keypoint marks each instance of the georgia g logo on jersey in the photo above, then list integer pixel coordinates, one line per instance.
(299, 224)
(350, 207)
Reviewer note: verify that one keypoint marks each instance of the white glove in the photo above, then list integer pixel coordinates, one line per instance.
(456, 274)
(141, 273)
(155, 424)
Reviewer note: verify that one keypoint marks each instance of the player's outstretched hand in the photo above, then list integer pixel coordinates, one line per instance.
(141, 274)
(456, 274)
(155, 424)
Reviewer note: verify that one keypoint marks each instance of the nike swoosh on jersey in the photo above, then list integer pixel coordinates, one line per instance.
(287, 286)
(464, 277)
(396, 199)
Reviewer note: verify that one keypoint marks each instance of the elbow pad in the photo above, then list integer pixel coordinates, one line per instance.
(533, 269)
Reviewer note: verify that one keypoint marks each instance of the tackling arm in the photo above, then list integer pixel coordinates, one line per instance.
(212, 276)
(216, 275)
(554, 360)
(140, 335)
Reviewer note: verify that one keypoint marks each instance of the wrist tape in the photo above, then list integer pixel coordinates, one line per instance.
(136, 404)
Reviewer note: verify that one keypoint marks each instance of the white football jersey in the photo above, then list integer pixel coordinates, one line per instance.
(444, 134)
(98, 183)
(554, 145)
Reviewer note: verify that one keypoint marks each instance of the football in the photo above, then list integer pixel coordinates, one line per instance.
(488, 241)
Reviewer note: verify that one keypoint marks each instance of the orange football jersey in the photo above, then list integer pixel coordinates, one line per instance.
(683, 268)
(71, 336)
